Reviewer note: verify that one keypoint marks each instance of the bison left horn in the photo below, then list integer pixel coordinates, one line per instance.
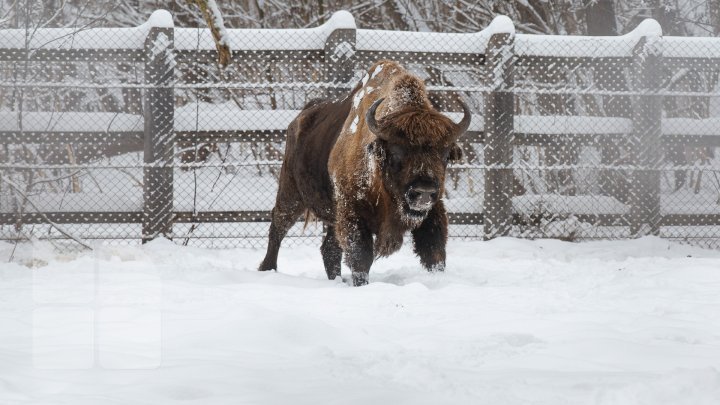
(370, 118)
(464, 124)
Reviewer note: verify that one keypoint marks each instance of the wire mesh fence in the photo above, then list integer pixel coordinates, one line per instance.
(127, 134)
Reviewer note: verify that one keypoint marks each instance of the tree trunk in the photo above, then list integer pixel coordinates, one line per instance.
(714, 9)
(601, 21)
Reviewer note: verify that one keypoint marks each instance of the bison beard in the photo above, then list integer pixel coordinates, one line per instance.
(371, 167)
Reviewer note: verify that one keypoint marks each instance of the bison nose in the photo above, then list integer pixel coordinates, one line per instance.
(422, 197)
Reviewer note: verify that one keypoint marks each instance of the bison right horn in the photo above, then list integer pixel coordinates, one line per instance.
(464, 124)
(370, 118)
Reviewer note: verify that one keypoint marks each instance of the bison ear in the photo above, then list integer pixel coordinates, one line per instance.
(456, 154)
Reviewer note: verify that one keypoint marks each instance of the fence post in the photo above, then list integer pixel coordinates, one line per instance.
(339, 52)
(499, 119)
(158, 109)
(645, 143)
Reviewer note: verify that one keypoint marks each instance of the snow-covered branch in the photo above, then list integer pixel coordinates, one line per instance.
(212, 15)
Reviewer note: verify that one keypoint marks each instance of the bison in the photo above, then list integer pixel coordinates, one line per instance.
(371, 167)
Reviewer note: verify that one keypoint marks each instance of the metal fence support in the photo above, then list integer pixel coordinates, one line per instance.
(645, 143)
(339, 56)
(499, 118)
(159, 134)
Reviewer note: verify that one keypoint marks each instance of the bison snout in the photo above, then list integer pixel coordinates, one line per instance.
(421, 198)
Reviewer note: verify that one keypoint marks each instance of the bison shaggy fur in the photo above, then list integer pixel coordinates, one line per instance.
(371, 167)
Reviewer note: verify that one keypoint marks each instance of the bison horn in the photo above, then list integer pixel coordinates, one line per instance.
(464, 124)
(370, 117)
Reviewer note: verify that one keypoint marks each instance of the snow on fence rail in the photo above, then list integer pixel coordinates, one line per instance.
(501, 64)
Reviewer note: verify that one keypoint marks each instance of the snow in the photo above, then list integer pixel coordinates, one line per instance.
(691, 47)
(354, 124)
(365, 79)
(266, 39)
(568, 46)
(564, 204)
(79, 38)
(342, 19)
(686, 201)
(358, 98)
(557, 124)
(191, 117)
(525, 124)
(509, 322)
(501, 24)
(218, 22)
(377, 70)
(410, 41)
(110, 190)
(573, 46)
(161, 44)
(569, 125)
(111, 200)
(691, 127)
(70, 122)
(647, 28)
(185, 38)
(72, 38)
(367, 40)
(161, 19)
(229, 117)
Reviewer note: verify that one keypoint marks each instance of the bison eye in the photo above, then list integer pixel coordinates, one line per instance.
(395, 162)
(396, 155)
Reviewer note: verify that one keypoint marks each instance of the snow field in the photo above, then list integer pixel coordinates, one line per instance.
(510, 322)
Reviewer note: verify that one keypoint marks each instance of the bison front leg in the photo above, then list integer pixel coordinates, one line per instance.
(331, 253)
(430, 238)
(357, 244)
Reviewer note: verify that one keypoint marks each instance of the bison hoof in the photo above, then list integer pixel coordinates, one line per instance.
(267, 267)
(360, 279)
(332, 274)
(436, 268)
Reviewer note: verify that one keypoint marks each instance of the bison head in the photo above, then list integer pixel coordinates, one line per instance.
(413, 147)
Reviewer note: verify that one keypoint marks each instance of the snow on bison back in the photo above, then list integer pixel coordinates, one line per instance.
(371, 166)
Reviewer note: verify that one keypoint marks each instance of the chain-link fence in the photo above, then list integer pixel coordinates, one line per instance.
(130, 133)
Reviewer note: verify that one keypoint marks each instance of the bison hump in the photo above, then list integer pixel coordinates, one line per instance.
(407, 91)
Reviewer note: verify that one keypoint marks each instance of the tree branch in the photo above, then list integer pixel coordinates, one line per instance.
(213, 18)
(60, 229)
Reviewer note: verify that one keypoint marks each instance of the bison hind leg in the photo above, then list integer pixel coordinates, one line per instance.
(283, 217)
(331, 253)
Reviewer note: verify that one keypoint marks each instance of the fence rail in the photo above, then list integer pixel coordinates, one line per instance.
(508, 78)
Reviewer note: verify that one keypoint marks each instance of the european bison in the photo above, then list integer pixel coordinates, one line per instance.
(371, 167)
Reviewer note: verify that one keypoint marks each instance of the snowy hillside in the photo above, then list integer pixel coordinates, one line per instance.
(510, 322)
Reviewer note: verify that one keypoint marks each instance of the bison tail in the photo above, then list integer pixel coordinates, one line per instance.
(309, 217)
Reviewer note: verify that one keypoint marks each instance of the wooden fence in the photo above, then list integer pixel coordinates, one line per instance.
(497, 51)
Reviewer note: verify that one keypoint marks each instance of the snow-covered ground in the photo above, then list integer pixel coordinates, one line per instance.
(510, 322)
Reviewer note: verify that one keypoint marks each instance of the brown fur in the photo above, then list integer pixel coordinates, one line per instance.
(358, 183)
